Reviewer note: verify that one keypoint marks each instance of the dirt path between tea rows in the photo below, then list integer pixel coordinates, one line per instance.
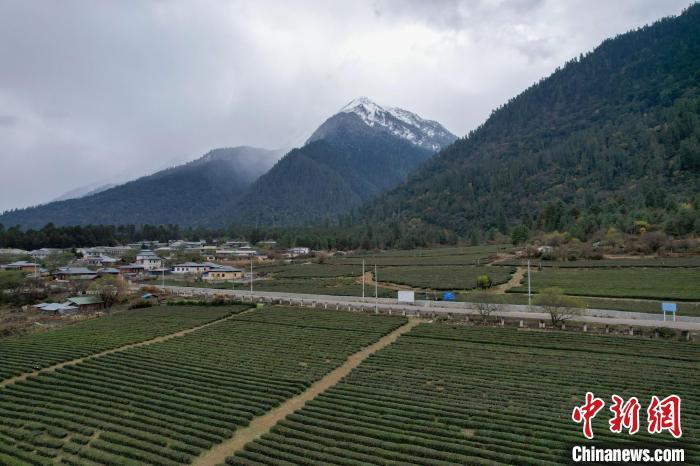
(262, 424)
(152, 341)
(369, 282)
(514, 281)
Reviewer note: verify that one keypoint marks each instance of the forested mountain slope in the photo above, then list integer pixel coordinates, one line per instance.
(353, 157)
(181, 195)
(612, 139)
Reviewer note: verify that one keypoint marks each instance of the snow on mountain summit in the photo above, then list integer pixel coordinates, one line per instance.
(427, 134)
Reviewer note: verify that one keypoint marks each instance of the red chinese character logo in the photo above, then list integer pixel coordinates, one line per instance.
(587, 412)
(665, 415)
(626, 415)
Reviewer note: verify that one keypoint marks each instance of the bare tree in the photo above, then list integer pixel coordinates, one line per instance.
(559, 306)
(483, 306)
(110, 289)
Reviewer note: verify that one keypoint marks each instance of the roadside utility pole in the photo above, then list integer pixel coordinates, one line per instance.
(376, 299)
(529, 289)
(363, 280)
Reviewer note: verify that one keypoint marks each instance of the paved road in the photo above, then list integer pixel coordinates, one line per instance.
(430, 308)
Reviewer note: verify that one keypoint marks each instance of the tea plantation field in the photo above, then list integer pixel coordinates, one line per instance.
(659, 283)
(443, 278)
(32, 352)
(312, 269)
(445, 395)
(661, 262)
(685, 308)
(166, 403)
(340, 286)
(465, 255)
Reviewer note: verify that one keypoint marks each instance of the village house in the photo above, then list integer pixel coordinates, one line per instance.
(237, 243)
(165, 251)
(57, 308)
(148, 259)
(223, 254)
(191, 268)
(74, 273)
(222, 274)
(158, 272)
(146, 244)
(295, 252)
(22, 266)
(112, 251)
(43, 253)
(131, 269)
(87, 303)
(181, 244)
(100, 261)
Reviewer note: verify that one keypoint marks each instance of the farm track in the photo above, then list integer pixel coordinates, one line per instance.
(264, 423)
(369, 281)
(152, 341)
(514, 281)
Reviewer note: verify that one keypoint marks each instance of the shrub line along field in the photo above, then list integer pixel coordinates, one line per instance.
(468, 395)
(29, 353)
(168, 402)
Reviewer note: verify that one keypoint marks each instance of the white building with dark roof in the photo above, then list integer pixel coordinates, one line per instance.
(149, 259)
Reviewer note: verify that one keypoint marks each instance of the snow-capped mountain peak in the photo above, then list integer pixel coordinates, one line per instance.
(427, 134)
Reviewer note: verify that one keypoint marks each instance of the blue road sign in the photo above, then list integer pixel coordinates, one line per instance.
(668, 307)
(448, 296)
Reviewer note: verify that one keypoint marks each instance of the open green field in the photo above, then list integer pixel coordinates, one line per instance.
(443, 278)
(651, 283)
(166, 403)
(31, 352)
(446, 395)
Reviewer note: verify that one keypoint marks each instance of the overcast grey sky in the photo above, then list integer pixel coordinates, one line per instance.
(92, 90)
